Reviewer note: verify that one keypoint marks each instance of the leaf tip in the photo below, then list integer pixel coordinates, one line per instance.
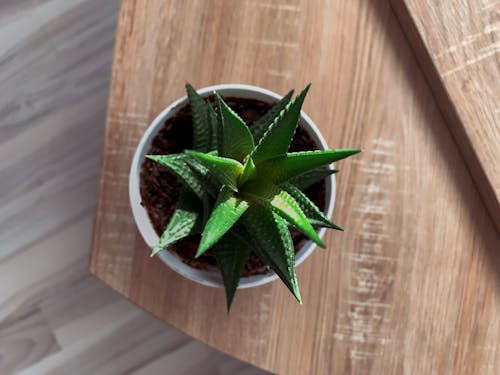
(303, 93)
(317, 240)
(297, 295)
(205, 244)
(228, 304)
(155, 251)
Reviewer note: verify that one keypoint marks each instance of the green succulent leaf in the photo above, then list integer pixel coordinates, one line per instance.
(186, 221)
(285, 205)
(276, 140)
(273, 244)
(261, 125)
(177, 163)
(227, 210)
(283, 168)
(202, 173)
(214, 125)
(237, 141)
(249, 171)
(207, 203)
(231, 254)
(202, 128)
(309, 178)
(225, 170)
(313, 213)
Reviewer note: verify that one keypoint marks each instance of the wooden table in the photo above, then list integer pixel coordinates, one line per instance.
(412, 286)
(458, 47)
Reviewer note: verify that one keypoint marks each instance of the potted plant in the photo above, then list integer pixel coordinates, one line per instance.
(217, 193)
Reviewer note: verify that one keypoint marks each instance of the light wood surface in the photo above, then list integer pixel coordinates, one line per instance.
(458, 46)
(55, 318)
(411, 287)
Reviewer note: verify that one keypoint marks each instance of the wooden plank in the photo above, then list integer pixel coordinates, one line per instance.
(458, 46)
(410, 287)
(25, 341)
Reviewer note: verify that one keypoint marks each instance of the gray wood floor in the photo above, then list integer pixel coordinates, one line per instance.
(55, 59)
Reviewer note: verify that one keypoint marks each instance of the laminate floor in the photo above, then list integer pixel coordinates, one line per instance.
(55, 60)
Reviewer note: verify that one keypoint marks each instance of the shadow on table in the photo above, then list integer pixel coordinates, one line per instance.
(483, 226)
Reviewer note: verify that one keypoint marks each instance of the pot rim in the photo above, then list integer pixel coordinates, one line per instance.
(209, 277)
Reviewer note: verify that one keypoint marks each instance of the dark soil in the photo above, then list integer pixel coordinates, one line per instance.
(160, 188)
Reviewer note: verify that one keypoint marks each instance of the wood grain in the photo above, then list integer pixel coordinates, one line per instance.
(411, 287)
(25, 341)
(55, 318)
(458, 46)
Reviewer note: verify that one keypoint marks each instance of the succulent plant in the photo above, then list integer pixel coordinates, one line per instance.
(242, 190)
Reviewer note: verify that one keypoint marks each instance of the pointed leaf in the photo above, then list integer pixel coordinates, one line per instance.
(249, 171)
(307, 179)
(219, 130)
(276, 140)
(201, 126)
(186, 221)
(202, 173)
(177, 163)
(313, 213)
(285, 205)
(231, 254)
(273, 244)
(228, 209)
(237, 141)
(226, 170)
(214, 124)
(208, 203)
(282, 168)
(261, 125)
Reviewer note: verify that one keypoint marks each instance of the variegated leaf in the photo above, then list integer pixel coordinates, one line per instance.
(283, 168)
(309, 178)
(227, 171)
(285, 205)
(237, 141)
(313, 213)
(276, 140)
(231, 254)
(178, 164)
(186, 221)
(201, 125)
(227, 210)
(214, 124)
(261, 125)
(273, 244)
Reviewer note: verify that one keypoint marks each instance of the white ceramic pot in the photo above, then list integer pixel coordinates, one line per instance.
(208, 277)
